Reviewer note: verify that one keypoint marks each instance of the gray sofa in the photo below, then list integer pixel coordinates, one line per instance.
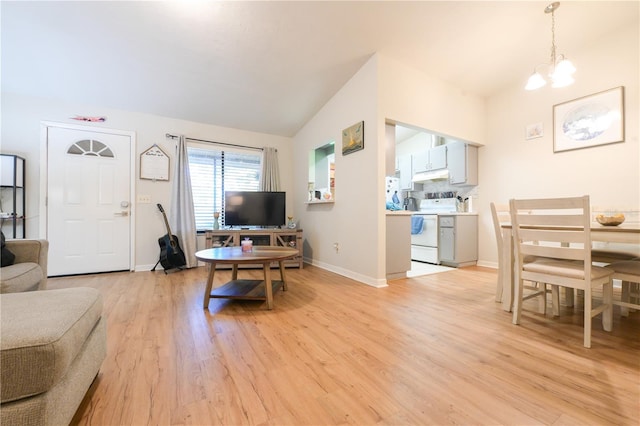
(29, 269)
(52, 343)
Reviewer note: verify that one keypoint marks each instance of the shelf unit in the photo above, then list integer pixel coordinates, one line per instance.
(260, 237)
(12, 195)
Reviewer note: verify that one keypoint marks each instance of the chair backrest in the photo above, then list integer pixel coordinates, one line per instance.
(500, 215)
(554, 228)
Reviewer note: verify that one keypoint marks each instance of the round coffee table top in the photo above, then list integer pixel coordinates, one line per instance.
(259, 254)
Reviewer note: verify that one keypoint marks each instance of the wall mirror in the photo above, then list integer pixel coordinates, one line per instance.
(322, 164)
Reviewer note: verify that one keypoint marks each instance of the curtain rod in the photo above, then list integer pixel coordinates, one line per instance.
(217, 143)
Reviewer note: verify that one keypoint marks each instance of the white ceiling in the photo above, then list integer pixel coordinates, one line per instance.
(270, 66)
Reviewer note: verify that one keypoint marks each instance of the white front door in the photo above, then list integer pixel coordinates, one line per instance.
(88, 201)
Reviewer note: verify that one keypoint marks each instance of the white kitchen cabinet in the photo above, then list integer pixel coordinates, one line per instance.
(420, 161)
(458, 243)
(431, 159)
(437, 158)
(462, 161)
(405, 167)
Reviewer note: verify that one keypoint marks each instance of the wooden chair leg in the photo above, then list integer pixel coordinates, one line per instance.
(625, 297)
(634, 294)
(542, 299)
(607, 299)
(587, 318)
(499, 285)
(569, 296)
(517, 301)
(555, 300)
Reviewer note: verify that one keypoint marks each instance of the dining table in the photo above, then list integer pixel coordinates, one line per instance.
(627, 234)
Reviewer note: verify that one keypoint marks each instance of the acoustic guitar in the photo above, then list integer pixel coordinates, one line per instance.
(171, 255)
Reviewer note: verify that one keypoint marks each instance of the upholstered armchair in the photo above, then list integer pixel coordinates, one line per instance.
(29, 269)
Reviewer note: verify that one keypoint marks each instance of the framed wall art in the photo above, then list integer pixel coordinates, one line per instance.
(533, 131)
(353, 138)
(592, 120)
(154, 164)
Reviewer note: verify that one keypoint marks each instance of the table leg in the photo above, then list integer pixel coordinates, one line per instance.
(234, 272)
(284, 282)
(268, 290)
(207, 289)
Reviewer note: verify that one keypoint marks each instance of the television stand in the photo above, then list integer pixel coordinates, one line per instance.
(284, 237)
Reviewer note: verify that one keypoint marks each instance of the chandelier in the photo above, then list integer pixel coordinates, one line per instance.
(560, 69)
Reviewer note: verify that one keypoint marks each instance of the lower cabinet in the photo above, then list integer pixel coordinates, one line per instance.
(458, 240)
(291, 238)
(398, 235)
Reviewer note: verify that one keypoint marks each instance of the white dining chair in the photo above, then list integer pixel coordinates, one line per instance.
(558, 234)
(501, 216)
(628, 272)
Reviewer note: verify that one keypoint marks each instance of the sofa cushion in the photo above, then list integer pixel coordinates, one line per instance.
(20, 277)
(42, 333)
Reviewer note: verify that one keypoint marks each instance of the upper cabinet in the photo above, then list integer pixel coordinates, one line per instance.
(406, 170)
(462, 163)
(431, 159)
(437, 158)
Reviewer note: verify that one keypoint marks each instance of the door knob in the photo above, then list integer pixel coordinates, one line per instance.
(124, 204)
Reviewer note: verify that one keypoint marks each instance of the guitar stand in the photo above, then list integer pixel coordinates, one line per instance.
(166, 271)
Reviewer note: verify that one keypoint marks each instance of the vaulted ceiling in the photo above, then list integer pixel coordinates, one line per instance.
(269, 66)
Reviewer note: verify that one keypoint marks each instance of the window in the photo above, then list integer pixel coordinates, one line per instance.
(213, 171)
(91, 148)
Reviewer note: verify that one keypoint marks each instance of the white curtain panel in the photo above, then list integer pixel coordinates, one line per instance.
(270, 176)
(182, 219)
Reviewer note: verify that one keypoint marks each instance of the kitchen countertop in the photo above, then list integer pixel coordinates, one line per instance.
(412, 212)
(459, 214)
(399, 212)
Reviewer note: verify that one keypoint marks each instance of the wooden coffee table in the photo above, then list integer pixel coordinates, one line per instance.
(245, 289)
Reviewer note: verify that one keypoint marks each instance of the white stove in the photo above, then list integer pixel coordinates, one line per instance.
(424, 228)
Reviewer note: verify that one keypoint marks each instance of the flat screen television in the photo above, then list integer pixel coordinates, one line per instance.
(254, 208)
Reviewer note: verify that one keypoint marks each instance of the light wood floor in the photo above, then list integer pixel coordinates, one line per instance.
(429, 350)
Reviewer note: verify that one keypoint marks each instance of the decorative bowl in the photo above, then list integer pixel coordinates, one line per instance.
(614, 220)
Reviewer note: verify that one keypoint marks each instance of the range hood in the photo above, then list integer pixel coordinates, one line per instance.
(432, 175)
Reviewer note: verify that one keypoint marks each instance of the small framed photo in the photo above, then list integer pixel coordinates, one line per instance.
(592, 120)
(353, 138)
(533, 131)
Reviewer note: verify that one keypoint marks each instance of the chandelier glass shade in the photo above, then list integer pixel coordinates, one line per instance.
(560, 69)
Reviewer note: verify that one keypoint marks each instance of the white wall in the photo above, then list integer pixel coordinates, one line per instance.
(21, 118)
(382, 90)
(353, 221)
(411, 97)
(510, 166)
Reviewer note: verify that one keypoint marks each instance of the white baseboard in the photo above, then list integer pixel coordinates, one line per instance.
(349, 274)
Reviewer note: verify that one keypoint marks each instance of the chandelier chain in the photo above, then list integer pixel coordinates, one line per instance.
(553, 39)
